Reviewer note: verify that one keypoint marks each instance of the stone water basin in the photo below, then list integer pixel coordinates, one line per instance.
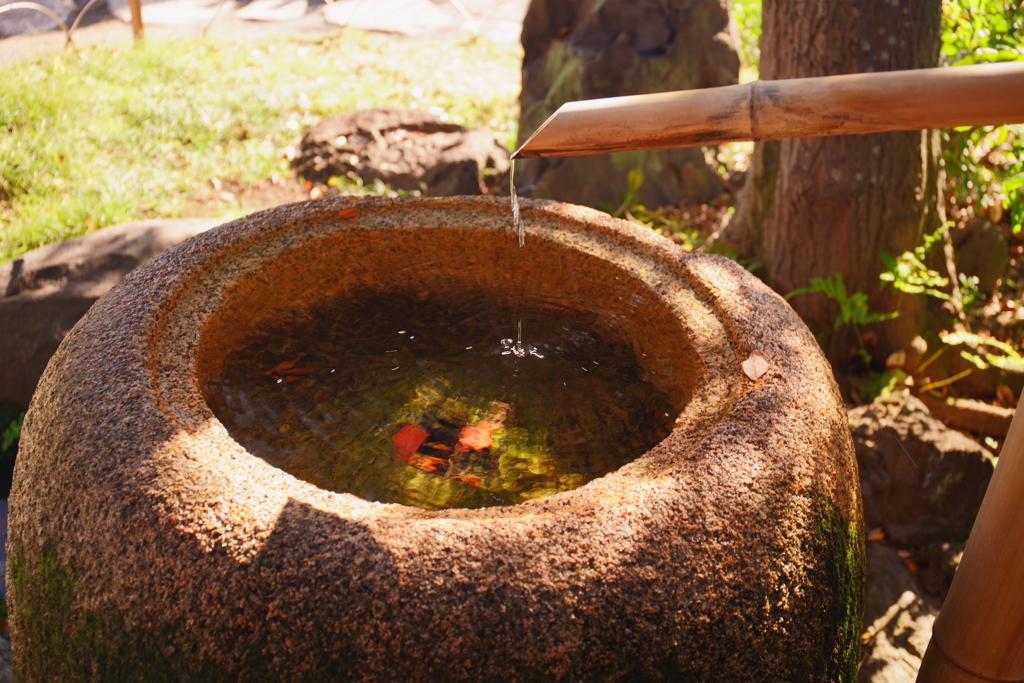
(149, 541)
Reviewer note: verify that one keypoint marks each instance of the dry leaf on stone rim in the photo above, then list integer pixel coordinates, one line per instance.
(755, 365)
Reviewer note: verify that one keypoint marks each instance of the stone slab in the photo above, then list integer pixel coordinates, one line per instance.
(44, 292)
(273, 10)
(405, 17)
(173, 12)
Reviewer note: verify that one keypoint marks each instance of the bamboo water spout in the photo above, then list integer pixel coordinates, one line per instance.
(980, 95)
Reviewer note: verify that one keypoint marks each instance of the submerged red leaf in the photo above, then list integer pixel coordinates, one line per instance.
(469, 479)
(427, 463)
(476, 438)
(285, 365)
(410, 437)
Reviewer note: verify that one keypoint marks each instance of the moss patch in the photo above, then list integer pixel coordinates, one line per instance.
(842, 542)
(59, 641)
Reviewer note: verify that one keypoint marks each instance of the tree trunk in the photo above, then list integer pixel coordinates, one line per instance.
(813, 207)
(586, 49)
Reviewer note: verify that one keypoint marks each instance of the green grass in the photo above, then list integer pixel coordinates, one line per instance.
(134, 132)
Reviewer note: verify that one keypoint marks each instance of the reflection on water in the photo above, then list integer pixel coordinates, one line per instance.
(439, 405)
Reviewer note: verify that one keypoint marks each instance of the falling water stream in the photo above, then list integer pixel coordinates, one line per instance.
(517, 223)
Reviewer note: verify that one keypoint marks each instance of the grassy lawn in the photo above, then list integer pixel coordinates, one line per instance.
(140, 131)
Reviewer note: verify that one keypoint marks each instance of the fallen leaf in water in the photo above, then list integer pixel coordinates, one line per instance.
(469, 479)
(285, 365)
(911, 565)
(410, 437)
(427, 463)
(348, 212)
(876, 534)
(499, 413)
(755, 365)
(438, 446)
(476, 438)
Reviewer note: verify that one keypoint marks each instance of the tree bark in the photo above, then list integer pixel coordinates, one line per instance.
(587, 49)
(813, 207)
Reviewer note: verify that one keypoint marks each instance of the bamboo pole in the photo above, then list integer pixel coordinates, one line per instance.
(979, 95)
(136, 8)
(979, 634)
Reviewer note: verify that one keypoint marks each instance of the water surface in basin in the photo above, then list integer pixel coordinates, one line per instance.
(439, 405)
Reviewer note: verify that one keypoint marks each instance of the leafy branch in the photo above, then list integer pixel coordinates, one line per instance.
(985, 166)
(853, 308)
(909, 274)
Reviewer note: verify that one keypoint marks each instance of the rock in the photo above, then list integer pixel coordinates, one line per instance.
(937, 564)
(898, 619)
(921, 482)
(405, 148)
(6, 666)
(44, 292)
(575, 49)
(981, 250)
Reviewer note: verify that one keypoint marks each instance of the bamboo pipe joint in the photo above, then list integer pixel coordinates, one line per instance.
(979, 95)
